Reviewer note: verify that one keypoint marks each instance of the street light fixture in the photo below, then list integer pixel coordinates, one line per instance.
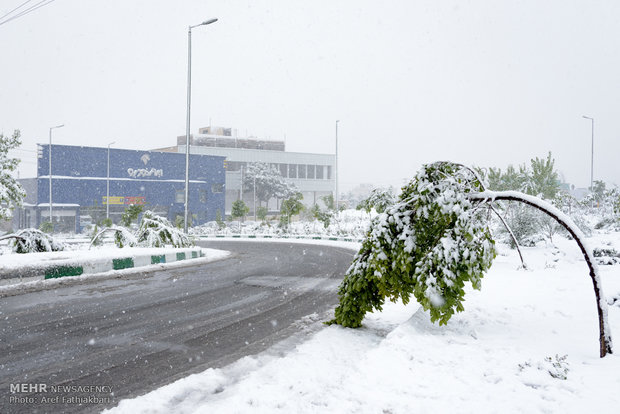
(592, 159)
(189, 104)
(107, 193)
(49, 154)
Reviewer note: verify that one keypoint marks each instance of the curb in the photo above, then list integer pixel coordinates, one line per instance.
(77, 268)
(272, 236)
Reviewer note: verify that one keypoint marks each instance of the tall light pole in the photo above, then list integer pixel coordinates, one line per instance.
(254, 196)
(189, 104)
(592, 159)
(107, 192)
(49, 154)
(336, 167)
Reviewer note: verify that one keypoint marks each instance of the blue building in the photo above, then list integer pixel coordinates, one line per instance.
(150, 178)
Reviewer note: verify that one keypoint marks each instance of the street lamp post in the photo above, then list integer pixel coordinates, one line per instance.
(107, 192)
(592, 156)
(336, 167)
(189, 103)
(254, 196)
(49, 154)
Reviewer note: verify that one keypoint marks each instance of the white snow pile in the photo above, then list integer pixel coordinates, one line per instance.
(526, 343)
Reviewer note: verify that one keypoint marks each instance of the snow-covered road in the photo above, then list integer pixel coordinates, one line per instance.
(144, 330)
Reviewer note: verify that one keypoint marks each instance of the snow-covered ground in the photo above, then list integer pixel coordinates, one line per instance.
(501, 355)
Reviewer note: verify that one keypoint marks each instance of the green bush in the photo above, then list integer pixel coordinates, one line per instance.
(428, 245)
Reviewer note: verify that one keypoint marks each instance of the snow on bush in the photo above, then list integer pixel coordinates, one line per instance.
(428, 244)
(124, 238)
(557, 367)
(33, 240)
(606, 256)
(156, 231)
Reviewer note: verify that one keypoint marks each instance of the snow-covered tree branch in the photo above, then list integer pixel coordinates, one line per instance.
(433, 240)
(267, 181)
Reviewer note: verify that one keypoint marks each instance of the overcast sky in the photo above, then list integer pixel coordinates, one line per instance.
(488, 83)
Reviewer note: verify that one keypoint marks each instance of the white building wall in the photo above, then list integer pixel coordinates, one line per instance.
(312, 188)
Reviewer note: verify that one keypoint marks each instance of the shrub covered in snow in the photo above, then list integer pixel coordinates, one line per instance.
(156, 231)
(428, 244)
(606, 256)
(11, 191)
(124, 238)
(33, 240)
(557, 367)
(379, 200)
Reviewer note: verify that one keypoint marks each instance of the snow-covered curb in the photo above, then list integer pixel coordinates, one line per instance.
(208, 255)
(36, 266)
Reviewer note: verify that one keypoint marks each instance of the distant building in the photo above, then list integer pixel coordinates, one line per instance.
(154, 179)
(312, 174)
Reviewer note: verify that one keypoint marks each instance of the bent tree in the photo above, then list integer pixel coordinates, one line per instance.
(432, 241)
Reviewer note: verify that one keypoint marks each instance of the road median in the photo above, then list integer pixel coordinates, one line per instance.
(52, 265)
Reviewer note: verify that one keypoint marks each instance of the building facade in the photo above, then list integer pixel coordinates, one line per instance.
(312, 174)
(79, 177)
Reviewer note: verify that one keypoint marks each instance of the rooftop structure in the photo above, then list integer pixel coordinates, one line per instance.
(227, 138)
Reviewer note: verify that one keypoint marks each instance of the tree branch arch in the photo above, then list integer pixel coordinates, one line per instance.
(566, 222)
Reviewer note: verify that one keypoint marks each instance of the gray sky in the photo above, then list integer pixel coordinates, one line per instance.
(487, 83)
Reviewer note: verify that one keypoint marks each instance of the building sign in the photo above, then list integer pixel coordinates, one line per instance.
(124, 200)
(145, 172)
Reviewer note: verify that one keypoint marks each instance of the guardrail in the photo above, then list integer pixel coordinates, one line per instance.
(278, 236)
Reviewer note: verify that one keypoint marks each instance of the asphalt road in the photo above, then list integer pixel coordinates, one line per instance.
(125, 337)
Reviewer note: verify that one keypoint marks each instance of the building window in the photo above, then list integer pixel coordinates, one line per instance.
(202, 195)
(179, 196)
(217, 188)
(311, 169)
(301, 170)
(319, 172)
(329, 172)
(284, 170)
(292, 171)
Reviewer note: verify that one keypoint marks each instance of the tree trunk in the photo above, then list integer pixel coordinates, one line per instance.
(567, 223)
